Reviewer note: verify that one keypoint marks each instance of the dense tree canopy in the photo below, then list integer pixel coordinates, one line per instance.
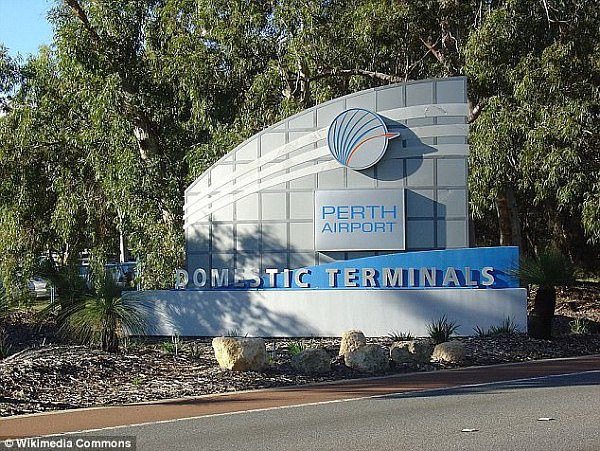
(103, 130)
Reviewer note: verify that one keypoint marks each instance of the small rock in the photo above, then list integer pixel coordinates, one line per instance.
(312, 361)
(450, 351)
(352, 340)
(240, 354)
(415, 351)
(368, 358)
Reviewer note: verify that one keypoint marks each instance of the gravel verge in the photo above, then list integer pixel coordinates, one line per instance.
(48, 375)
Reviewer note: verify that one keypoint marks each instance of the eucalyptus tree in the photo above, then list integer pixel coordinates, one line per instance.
(534, 154)
(136, 98)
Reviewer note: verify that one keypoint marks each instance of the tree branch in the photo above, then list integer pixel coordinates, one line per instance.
(476, 110)
(82, 16)
(365, 73)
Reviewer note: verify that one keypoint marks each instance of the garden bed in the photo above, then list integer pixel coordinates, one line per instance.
(45, 374)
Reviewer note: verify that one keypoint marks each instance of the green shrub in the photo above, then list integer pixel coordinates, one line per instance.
(508, 326)
(548, 270)
(440, 331)
(579, 326)
(173, 346)
(296, 347)
(102, 319)
(400, 336)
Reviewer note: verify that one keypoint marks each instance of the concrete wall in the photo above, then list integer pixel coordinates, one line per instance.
(275, 313)
(254, 207)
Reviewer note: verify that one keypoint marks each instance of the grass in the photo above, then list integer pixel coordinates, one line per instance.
(440, 331)
(235, 333)
(579, 326)
(508, 326)
(295, 348)
(400, 336)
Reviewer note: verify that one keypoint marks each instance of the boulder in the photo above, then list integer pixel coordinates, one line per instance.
(352, 340)
(312, 361)
(368, 359)
(415, 351)
(240, 354)
(449, 351)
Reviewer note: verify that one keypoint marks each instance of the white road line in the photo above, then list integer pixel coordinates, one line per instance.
(319, 403)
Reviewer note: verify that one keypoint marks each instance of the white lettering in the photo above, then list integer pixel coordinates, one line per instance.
(221, 280)
(486, 273)
(298, 278)
(368, 277)
(428, 277)
(450, 277)
(468, 281)
(181, 279)
(350, 276)
(392, 277)
(272, 272)
(331, 272)
(199, 283)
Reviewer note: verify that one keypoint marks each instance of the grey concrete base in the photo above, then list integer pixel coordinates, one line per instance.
(302, 313)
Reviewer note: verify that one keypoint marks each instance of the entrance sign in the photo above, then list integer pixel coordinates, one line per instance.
(358, 138)
(359, 220)
(325, 222)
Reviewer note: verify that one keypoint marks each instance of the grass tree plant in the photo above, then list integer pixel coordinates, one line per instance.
(546, 271)
(102, 318)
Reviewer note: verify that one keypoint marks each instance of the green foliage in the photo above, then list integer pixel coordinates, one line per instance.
(440, 331)
(102, 319)
(195, 351)
(507, 327)
(296, 347)
(173, 346)
(400, 336)
(234, 333)
(579, 326)
(548, 269)
(134, 99)
(534, 70)
(137, 381)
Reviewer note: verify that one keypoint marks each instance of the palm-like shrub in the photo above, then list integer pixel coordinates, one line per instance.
(103, 318)
(550, 269)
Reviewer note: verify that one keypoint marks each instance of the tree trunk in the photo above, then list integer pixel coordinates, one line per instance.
(508, 219)
(539, 323)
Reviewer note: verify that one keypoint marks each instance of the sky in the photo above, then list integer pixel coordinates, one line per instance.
(23, 25)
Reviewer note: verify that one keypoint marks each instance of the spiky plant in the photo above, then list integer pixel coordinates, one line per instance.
(440, 331)
(103, 319)
(548, 270)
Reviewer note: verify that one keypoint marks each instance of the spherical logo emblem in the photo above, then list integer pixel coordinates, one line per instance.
(358, 138)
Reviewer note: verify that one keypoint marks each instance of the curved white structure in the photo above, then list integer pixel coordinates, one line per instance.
(254, 207)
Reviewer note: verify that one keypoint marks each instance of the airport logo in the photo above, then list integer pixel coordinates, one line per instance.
(358, 138)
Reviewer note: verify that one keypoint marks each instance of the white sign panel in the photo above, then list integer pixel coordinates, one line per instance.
(359, 220)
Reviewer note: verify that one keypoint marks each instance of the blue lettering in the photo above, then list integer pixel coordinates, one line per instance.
(357, 210)
(328, 210)
(342, 212)
(393, 211)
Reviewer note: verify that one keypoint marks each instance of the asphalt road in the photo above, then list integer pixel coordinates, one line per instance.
(504, 416)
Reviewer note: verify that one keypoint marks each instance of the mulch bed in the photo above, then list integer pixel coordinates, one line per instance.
(46, 374)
